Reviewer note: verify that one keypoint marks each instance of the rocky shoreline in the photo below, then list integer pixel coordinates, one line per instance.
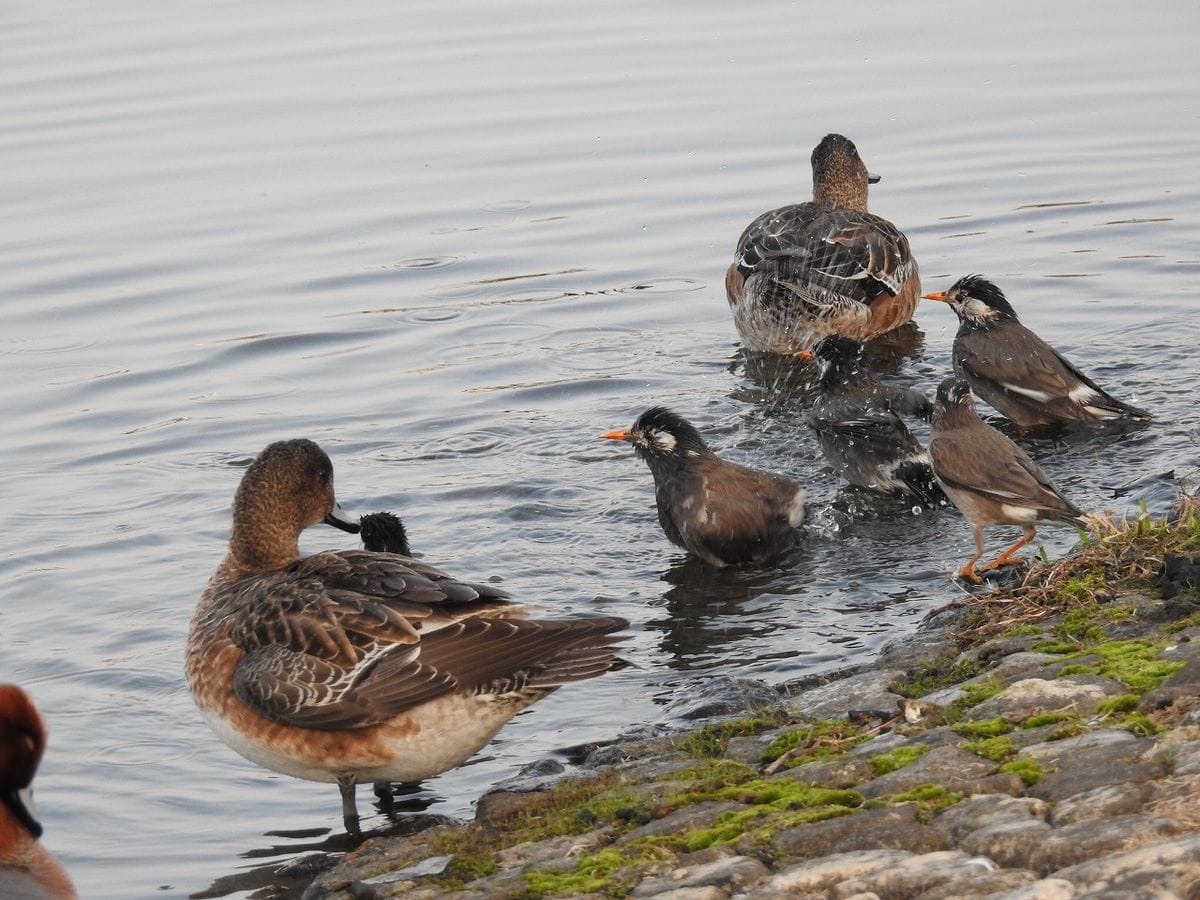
(1038, 741)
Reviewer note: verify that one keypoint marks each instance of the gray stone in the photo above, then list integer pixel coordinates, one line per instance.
(864, 691)
(883, 743)
(707, 892)
(1100, 803)
(987, 811)
(723, 695)
(732, 872)
(1186, 758)
(947, 767)
(1031, 696)
(917, 874)
(885, 828)
(1173, 864)
(1089, 761)
(830, 773)
(918, 651)
(1010, 843)
(561, 849)
(1044, 889)
(1021, 663)
(1076, 843)
(977, 887)
(821, 875)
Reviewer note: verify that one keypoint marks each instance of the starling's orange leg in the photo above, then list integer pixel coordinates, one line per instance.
(968, 569)
(1006, 558)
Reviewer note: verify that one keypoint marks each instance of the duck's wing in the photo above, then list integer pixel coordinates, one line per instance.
(477, 656)
(823, 254)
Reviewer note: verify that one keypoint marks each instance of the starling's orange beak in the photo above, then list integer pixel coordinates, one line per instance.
(616, 435)
(940, 296)
(805, 355)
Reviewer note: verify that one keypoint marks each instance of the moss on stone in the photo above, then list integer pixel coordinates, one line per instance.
(711, 740)
(1049, 718)
(898, 758)
(973, 694)
(941, 672)
(591, 874)
(930, 799)
(1115, 705)
(1067, 730)
(1028, 770)
(1020, 631)
(1135, 663)
(997, 749)
(1141, 725)
(818, 740)
(984, 728)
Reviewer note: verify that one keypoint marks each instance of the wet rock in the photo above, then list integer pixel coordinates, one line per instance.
(1172, 865)
(1032, 696)
(864, 691)
(820, 876)
(948, 767)
(723, 696)
(1100, 803)
(988, 811)
(891, 828)
(917, 874)
(918, 651)
(724, 875)
(1085, 840)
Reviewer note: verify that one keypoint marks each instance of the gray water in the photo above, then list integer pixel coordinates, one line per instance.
(454, 245)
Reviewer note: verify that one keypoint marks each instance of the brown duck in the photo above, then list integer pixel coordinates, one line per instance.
(348, 665)
(828, 266)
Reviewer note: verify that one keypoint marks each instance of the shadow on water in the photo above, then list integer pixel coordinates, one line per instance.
(308, 852)
(705, 609)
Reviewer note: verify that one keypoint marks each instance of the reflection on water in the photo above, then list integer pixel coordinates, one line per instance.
(455, 243)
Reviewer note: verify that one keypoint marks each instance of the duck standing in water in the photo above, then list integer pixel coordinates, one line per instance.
(724, 513)
(349, 665)
(1015, 371)
(827, 266)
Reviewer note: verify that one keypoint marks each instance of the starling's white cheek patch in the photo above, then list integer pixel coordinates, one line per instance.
(1040, 396)
(664, 439)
